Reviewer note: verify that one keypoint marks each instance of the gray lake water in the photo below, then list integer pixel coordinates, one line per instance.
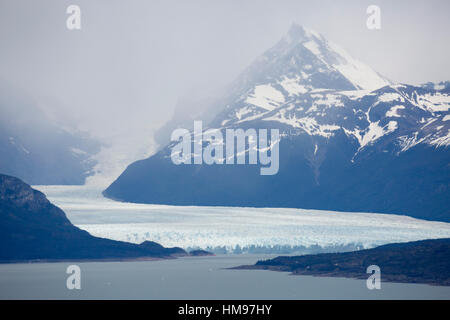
(191, 278)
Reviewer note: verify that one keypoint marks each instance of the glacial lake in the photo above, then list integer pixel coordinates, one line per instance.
(191, 278)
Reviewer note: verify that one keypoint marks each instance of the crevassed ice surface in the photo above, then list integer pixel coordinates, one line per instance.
(236, 229)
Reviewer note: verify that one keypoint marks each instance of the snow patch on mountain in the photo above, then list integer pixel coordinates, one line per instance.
(314, 48)
(329, 100)
(361, 75)
(373, 132)
(242, 112)
(266, 97)
(355, 94)
(393, 111)
(434, 102)
(293, 86)
(407, 142)
(307, 124)
(441, 141)
(389, 97)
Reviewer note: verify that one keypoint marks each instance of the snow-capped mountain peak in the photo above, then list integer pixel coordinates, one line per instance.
(304, 61)
(311, 85)
(332, 57)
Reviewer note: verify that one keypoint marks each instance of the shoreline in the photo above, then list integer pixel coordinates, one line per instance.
(172, 257)
(37, 261)
(384, 278)
(420, 262)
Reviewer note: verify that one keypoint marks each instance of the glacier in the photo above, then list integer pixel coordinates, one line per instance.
(237, 229)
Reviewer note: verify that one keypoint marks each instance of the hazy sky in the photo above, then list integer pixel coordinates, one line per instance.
(122, 73)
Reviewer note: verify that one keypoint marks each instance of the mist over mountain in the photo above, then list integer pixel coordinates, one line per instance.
(293, 56)
(38, 149)
(350, 139)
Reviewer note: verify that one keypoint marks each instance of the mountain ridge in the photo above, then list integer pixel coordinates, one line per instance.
(341, 148)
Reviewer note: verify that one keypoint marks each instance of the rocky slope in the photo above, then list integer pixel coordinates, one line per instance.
(31, 228)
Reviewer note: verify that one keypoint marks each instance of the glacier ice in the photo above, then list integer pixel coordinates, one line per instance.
(237, 229)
